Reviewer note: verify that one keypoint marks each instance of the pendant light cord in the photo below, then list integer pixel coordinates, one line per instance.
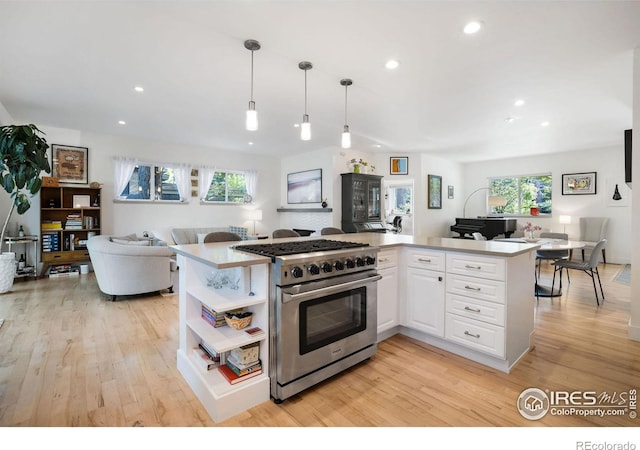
(305, 92)
(251, 75)
(345, 104)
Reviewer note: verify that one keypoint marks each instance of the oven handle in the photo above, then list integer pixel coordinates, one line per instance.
(286, 297)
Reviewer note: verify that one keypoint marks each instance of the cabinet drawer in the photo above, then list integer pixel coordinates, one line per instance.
(476, 309)
(474, 334)
(476, 266)
(426, 259)
(490, 290)
(387, 258)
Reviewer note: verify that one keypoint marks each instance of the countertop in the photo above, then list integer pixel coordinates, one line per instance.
(223, 255)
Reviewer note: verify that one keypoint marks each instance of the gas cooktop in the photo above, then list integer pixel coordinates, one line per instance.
(298, 247)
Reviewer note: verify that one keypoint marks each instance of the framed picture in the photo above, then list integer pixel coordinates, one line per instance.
(70, 164)
(194, 173)
(304, 187)
(434, 191)
(579, 183)
(450, 191)
(399, 165)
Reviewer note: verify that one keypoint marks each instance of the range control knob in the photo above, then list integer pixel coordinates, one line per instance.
(326, 267)
(370, 260)
(313, 269)
(350, 263)
(297, 272)
(359, 262)
(338, 265)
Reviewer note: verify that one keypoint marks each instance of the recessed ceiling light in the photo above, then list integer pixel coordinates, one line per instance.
(376, 145)
(510, 119)
(472, 27)
(250, 143)
(519, 102)
(296, 125)
(392, 64)
(138, 89)
(544, 124)
(122, 122)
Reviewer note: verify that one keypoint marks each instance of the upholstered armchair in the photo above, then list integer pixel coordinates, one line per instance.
(131, 268)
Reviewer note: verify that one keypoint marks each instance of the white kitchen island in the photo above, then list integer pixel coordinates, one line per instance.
(471, 298)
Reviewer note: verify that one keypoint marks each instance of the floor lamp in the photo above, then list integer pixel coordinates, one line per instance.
(493, 200)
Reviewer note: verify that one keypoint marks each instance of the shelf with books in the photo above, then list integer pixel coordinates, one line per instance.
(203, 290)
(65, 226)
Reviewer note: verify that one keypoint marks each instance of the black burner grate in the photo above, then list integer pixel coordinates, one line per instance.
(297, 247)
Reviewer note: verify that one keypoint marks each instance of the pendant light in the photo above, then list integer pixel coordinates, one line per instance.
(305, 126)
(346, 136)
(251, 122)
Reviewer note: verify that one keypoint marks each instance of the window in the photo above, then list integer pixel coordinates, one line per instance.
(398, 198)
(522, 194)
(227, 187)
(151, 182)
(141, 184)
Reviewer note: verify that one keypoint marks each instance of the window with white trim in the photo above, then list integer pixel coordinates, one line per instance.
(522, 193)
(227, 187)
(151, 182)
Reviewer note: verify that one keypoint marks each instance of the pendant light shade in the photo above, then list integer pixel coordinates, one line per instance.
(251, 121)
(305, 126)
(346, 135)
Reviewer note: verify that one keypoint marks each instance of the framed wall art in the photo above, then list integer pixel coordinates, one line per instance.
(304, 187)
(434, 191)
(579, 183)
(399, 165)
(70, 164)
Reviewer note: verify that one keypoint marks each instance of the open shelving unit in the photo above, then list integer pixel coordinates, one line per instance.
(220, 398)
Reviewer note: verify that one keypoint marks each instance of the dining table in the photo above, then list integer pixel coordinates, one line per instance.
(543, 290)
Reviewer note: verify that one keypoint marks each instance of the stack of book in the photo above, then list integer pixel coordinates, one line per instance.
(242, 363)
(214, 318)
(51, 225)
(74, 222)
(206, 356)
(63, 270)
(50, 242)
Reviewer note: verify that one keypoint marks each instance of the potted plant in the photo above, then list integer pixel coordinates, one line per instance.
(23, 157)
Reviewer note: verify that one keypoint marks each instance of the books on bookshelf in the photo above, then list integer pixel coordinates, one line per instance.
(214, 318)
(247, 354)
(254, 331)
(51, 225)
(50, 242)
(73, 222)
(204, 359)
(63, 270)
(243, 369)
(233, 377)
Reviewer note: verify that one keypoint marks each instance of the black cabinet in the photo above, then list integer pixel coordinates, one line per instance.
(362, 203)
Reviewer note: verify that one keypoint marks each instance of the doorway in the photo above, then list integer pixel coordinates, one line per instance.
(398, 202)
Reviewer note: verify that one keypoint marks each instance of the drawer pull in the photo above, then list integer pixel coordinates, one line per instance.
(424, 260)
(471, 288)
(467, 266)
(466, 308)
(477, 336)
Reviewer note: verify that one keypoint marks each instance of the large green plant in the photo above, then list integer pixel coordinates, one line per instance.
(23, 157)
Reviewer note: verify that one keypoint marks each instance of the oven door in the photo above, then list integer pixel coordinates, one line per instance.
(321, 322)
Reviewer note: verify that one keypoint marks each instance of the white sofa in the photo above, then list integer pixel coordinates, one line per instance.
(129, 268)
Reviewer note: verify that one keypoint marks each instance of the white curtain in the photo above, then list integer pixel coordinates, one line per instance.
(122, 170)
(182, 174)
(251, 180)
(205, 178)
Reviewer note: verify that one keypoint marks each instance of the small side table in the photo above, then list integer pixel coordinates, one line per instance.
(28, 271)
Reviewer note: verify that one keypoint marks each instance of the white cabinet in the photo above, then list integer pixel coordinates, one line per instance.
(250, 291)
(388, 310)
(476, 297)
(425, 290)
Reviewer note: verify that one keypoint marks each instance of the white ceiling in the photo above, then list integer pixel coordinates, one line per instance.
(75, 64)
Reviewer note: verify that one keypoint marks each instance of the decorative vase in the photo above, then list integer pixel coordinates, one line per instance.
(356, 168)
(531, 234)
(7, 271)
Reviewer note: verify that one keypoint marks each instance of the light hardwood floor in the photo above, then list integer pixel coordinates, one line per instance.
(69, 358)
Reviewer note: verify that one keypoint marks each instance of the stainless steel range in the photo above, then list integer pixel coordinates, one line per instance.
(322, 310)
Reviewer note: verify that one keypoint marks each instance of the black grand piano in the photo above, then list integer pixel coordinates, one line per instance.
(489, 227)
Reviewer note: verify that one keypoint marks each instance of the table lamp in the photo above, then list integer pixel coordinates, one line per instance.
(564, 220)
(255, 215)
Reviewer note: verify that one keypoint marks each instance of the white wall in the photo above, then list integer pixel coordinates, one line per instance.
(126, 218)
(609, 165)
